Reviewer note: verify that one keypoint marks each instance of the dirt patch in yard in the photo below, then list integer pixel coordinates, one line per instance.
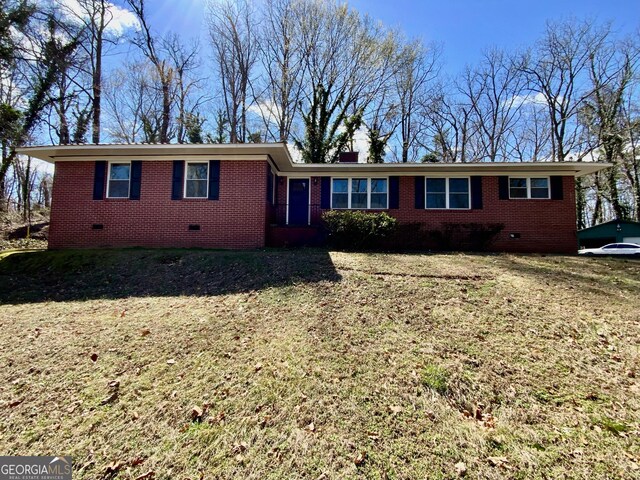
(315, 364)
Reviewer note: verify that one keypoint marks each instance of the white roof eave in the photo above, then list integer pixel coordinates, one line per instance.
(279, 155)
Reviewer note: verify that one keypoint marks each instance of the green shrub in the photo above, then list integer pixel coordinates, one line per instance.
(355, 229)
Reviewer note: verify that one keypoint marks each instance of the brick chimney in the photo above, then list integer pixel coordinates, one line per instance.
(348, 157)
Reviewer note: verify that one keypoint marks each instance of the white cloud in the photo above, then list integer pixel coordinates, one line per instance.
(121, 18)
(528, 99)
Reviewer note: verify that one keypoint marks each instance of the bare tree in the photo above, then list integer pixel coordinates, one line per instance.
(559, 72)
(529, 139)
(95, 17)
(494, 91)
(185, 63)
(134, 103)
(450, 124)
(419, 66)
(234, 40)
(282, 62)
(630, 156)
(146, 41)
(611, 67)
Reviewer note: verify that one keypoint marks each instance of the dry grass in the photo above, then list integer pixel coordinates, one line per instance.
(308, 364)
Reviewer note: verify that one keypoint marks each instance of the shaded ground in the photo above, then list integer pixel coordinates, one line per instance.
(15, 233)
(308, 364)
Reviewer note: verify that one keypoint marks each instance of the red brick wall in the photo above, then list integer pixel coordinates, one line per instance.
(236, 220)
(543, 225)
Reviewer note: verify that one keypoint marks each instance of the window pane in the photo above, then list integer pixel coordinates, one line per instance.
(539, 183)
(378, 200)
(436, 185)
(359, 200)
(436, 200)
(378, 185)
(340, 185)
(197, 188)
(458, 200)
(118, 188)
(359, 185)
(197, 171)
(518, 183)
(339, 200)
(458, 185)
(539, 193)
(119, 171)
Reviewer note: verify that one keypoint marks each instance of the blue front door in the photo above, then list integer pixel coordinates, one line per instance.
(298, 201)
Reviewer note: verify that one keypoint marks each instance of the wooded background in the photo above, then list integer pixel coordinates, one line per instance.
(322, 77)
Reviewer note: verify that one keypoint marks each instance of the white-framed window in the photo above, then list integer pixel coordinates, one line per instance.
(119, 180)
(360, 193)
(447, 193)
(196, 180)
(529, 187)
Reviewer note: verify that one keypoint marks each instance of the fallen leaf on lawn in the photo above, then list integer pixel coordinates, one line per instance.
(94, 357)
(258, 367)
(124, 312)
(111, 398)
(497, 461)
(144, 332)
(113, 468)
(16, 402)
(219, 418)
(240, 447)
(149, 474)
(196, 413)
(265, 421)
(137, 461)
(171, 361)
(360, 457)
(115, 384)
(395, 409)
(461, 469)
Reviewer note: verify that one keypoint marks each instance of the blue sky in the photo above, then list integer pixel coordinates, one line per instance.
(464, 27)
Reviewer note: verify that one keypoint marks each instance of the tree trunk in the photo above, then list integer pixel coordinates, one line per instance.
(97, 84)
(166, 109)
(580, 202)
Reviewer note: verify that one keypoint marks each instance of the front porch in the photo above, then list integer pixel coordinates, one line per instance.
(293, 227)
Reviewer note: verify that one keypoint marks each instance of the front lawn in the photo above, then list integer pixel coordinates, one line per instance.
(186, 364)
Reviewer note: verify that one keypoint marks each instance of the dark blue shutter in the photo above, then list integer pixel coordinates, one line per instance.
(269, 185)
(556, 188)
(476, 193)
(178, 179)
(503, 188)
(419, 181)
(214, 179)
(394, 192)
(325, 193)
(98, 179)
(136, 178)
